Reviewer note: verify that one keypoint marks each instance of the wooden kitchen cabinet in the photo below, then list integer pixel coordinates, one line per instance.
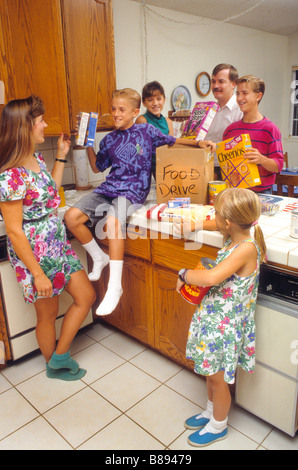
(150, 309)
(134, 313)
(89, 56)
(32, 56)
(171, 312)
(61, 50)
(172, 317)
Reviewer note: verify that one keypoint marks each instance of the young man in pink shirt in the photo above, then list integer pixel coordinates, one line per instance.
(266, 151)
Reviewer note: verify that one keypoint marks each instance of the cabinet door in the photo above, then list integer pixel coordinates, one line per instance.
(133, 314)
(32, 57)
(172, 317)
(89, 54)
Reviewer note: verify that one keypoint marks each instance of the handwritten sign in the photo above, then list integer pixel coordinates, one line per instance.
(179, 182)
(183, 172)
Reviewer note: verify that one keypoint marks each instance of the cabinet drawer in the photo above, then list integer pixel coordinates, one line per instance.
(270, 396)
(175, 254)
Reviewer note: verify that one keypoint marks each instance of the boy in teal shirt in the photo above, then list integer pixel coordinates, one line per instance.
(153, 98)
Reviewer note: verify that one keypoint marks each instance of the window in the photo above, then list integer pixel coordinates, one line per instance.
(294, 103)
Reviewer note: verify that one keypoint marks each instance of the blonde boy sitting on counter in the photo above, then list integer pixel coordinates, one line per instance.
(127, 151)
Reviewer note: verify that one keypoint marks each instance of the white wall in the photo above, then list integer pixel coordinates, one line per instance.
(178, 52)
(291, 143)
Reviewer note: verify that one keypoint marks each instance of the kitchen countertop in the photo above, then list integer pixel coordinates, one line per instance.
(281, 247)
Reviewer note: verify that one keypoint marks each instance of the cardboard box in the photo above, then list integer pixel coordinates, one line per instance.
(82, 129)
(183, 171)
(200, 120)
(91, 131)
(236, 171)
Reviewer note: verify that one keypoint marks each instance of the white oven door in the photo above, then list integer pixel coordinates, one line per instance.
(21, 317)
(271, 392)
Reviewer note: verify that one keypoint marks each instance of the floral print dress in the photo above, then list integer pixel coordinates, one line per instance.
(42, 226)
(222, 331)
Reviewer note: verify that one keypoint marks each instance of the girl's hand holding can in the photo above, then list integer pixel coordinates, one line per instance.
(179, 285)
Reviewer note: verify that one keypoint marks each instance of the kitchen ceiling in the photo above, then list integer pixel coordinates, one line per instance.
(273, 16)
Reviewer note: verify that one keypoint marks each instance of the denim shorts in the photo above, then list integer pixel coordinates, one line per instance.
(96, 207)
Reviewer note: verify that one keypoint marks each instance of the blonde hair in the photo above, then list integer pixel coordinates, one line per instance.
(16, 130)
(131, 95)
(257, 84)
(242, 207)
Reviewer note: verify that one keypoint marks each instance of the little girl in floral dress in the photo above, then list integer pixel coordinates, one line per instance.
(222, 332)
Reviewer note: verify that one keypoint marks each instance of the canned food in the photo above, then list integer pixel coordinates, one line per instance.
(195, 294)
(215, 187)
(294, 224)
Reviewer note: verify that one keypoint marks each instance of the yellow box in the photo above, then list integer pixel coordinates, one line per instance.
(236, 170)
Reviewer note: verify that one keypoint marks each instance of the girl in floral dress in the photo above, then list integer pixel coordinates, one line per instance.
(38, 249)
(222, 332)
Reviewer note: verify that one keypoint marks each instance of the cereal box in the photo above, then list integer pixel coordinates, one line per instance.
(236, 171)
(91, 131)
(82, 128)
(200, 120)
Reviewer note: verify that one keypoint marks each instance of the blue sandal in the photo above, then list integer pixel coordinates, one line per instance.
(195, 422)
(196, 440)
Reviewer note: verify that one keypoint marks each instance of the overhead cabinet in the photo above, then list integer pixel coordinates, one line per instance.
(62, 51)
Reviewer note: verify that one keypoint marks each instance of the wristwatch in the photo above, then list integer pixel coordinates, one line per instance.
(182, 274)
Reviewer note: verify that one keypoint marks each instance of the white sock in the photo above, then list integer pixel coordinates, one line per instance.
(208, 412)
(214, 427)
(114, 291)
(99, 257)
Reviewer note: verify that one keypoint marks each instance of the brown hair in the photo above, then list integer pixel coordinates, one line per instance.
(150, 88)
(16, 126)
(233, 73)
(131, 95)
(242, 207)
(257, 84)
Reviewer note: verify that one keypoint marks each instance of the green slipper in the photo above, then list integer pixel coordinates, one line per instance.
(64, 374)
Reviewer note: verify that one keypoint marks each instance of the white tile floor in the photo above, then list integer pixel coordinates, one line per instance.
(131, 398)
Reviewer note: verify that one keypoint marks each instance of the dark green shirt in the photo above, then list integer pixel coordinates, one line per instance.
(157, 121)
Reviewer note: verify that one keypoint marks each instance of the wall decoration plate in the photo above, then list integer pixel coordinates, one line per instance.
(181, 98)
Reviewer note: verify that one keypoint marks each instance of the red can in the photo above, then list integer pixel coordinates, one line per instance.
(195, 294)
